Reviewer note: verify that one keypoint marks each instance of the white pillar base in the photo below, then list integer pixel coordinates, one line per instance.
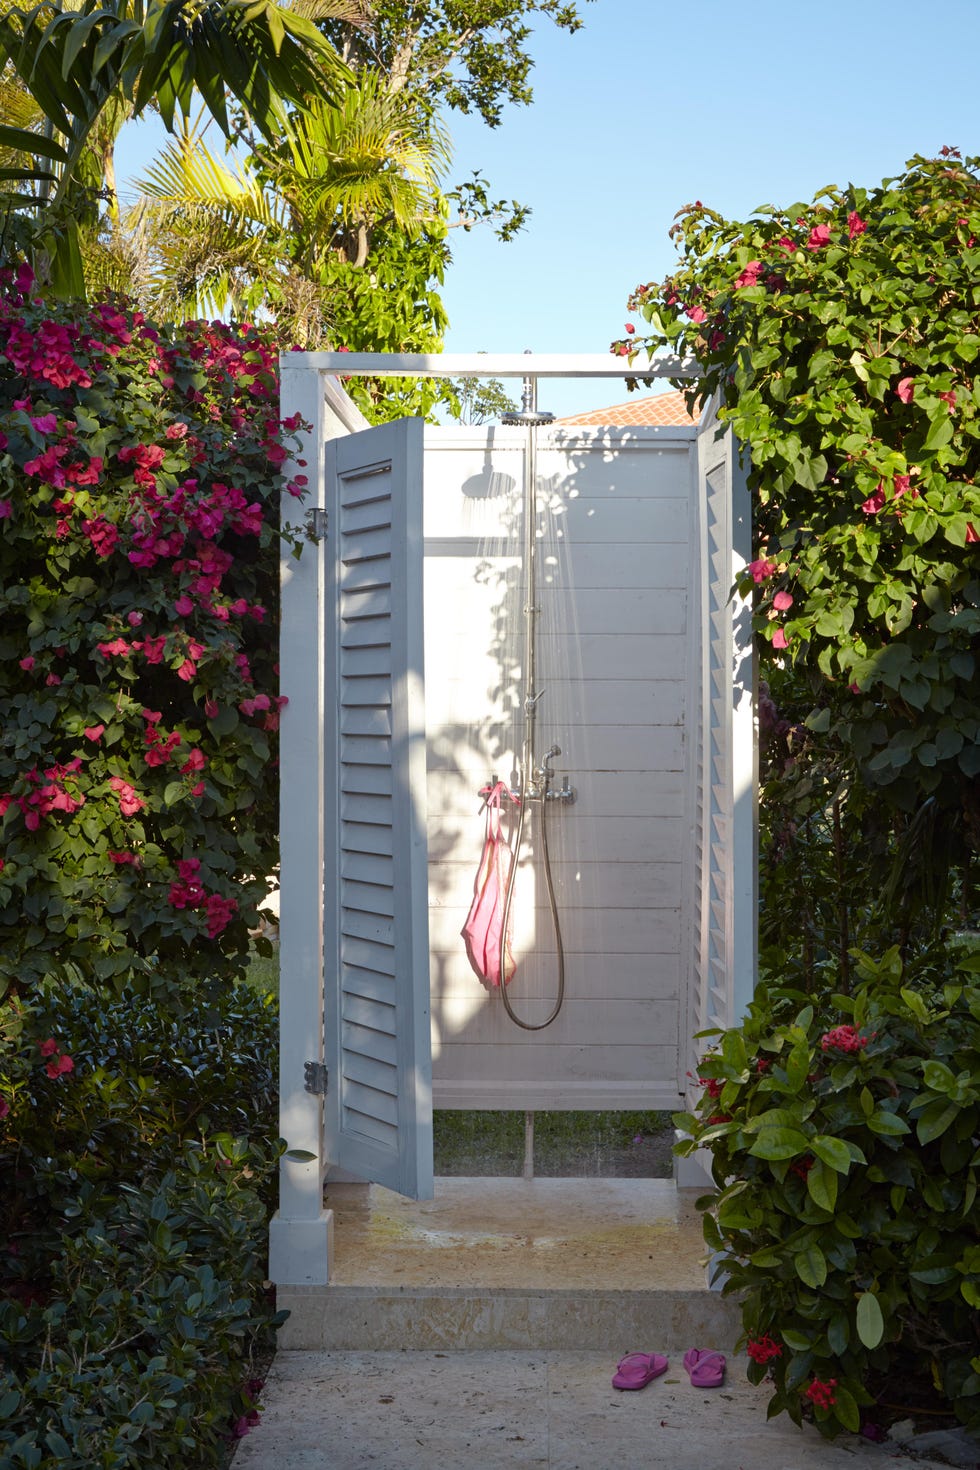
(694, 1171)
(301, 1251)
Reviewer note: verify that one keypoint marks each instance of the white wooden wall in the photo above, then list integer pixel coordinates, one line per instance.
(615, 586)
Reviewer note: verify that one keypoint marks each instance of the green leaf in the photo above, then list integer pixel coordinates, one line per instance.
(833, 1151)
(811, 1266)
(887, 1125)
(846, 1410)
(779, 1143)
(870, 1322)
(838, 1333)
(934, 1121)
(821, 1184)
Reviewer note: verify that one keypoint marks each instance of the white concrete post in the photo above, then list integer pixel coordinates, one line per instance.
(300, 1231)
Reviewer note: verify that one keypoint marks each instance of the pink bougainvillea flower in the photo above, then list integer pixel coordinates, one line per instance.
(906, 389)
(45, 423)
(875, 502)
(122, 858)
(58, 1066)
(6, 510)
(134, 619)
(697, 314)
(4, 1107)
(780, 638)
(114, 646)
(855, 224)
(129, 802)
(749, 276)
(48, 1048)
(53, 680)
(103, 535)
(629, 328)
(184, 606)
(196, 761)
(782, 601)
(211, 709)
(762, 569)
(818, 237)
(27, 663)
(949, 397)
(219, 913)
(971, 534)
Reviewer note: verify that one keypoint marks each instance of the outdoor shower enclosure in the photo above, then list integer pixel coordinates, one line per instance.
(402, 668)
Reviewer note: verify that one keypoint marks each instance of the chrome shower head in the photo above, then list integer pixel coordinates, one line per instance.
(531, 420)
(528, 416)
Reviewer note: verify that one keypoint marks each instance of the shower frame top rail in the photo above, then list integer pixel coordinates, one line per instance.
(492, 365)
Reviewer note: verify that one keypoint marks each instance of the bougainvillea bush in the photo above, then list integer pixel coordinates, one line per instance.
(843, 1140)
(844, 337)
(140, 476)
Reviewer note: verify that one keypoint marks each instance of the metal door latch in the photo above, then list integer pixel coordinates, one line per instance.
(315, 1075)
(316, 524)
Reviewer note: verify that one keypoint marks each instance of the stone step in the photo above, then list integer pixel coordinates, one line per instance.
(474, 1319)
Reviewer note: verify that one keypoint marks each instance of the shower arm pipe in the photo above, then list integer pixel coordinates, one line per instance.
(534, 784)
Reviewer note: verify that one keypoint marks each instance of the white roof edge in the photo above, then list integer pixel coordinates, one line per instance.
(491, 364)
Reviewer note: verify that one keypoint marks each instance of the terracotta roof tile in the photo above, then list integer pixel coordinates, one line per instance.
(642, 409)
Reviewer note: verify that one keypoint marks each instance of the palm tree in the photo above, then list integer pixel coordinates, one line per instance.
(273, 230)
(89, 69)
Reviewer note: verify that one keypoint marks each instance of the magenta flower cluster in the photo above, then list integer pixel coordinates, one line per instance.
(140, 476)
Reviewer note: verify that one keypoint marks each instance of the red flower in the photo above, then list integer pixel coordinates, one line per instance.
(762, 569)
(843, 1038)
(697, 313)
(971, 534)
(818, 237)
(821, 1394)
(713, 1085)
(4, 1107)
(94, 733)
(48, 1048)
(761, 1349)
(780, 639)
(58, 1066)
(855, 224)
(906, 389)
(875, 502)
(782, 601)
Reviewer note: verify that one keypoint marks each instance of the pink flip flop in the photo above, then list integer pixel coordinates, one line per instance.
(636, 1370)
(706, 1370)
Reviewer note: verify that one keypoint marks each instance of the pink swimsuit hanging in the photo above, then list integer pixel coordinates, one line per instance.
(482, 931)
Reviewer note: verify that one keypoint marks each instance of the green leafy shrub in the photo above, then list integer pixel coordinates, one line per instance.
(845, 1146)
(843, 336)
(132, 1297)
(140, 480)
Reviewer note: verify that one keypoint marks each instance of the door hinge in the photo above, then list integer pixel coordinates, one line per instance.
(315, 1075)
(316, 524)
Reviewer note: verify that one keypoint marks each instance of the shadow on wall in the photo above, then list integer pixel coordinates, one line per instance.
(613, 538)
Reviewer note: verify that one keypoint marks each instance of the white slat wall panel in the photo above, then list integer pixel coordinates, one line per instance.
(613, 655)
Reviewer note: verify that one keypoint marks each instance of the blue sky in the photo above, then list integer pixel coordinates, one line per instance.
(652, 105)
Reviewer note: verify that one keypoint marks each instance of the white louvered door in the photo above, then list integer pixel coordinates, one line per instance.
(378, 1116)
